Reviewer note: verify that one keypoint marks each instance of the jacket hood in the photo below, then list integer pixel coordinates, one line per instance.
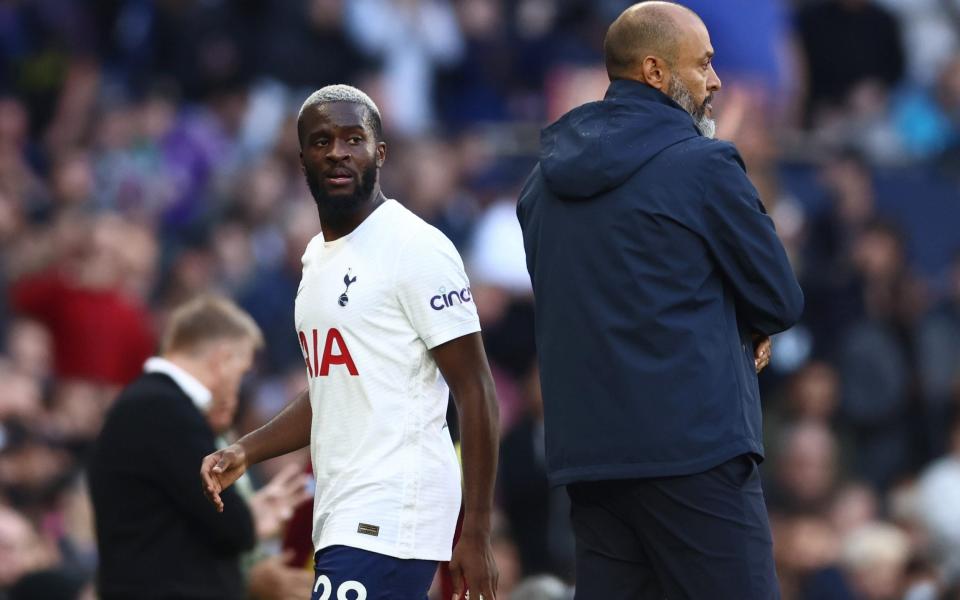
(596, 147)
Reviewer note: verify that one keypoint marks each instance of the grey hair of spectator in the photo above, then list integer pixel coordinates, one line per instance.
(343, 93)
(542, 587)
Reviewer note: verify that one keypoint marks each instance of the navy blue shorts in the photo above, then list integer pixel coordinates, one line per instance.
(684, 538)
(345, 573)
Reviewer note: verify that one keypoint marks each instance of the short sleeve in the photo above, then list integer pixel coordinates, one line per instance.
(433, 289)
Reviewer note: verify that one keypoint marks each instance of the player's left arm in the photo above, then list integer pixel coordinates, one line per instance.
(463, 363)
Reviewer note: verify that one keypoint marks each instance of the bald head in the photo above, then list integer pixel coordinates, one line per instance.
(667, 47)
(646, 29)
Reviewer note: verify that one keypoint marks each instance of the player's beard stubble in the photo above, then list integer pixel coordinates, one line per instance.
(336, 209)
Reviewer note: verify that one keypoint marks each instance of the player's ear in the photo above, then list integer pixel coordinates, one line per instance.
(303, 167)
(381, 153)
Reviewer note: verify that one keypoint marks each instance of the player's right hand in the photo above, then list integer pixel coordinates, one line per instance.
(220, 469)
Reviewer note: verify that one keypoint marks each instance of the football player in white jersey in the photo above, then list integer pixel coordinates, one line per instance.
(386, 323)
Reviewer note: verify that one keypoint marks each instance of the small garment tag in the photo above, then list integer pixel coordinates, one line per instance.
(365, 529)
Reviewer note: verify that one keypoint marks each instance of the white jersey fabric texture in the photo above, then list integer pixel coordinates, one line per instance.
(369, 308)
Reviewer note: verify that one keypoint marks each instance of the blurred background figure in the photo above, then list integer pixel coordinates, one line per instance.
(542, 587)
(939, 486)
(872, 566)
(536, 513)
(155, 532)
(145, 158)
(21, 549)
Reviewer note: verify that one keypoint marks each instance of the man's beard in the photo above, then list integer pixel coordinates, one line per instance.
(336, 209)
(682, 96)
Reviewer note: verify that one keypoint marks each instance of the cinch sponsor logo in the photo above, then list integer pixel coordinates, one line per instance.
(447, 299)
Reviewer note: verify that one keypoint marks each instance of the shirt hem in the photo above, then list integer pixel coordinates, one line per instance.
(387, 549)
(699, 464)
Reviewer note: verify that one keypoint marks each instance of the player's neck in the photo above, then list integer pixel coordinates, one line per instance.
(335, 227)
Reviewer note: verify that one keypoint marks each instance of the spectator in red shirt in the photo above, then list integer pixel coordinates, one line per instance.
(101, 332)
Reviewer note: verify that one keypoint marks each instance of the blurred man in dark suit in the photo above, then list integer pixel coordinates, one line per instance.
(156, 534)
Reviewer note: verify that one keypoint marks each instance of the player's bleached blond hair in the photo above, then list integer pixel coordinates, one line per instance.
(343, 93)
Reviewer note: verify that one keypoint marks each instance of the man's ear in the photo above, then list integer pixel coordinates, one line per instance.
(655, 72)
(303, 167)
(381, 153)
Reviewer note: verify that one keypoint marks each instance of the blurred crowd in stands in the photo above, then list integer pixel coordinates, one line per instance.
(148, 153)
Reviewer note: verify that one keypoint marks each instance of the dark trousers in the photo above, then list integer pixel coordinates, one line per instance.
(696, 537)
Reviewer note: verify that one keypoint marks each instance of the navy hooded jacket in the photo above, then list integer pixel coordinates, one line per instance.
(653, 263)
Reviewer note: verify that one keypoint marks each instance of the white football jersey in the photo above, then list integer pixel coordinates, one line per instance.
(370, 307)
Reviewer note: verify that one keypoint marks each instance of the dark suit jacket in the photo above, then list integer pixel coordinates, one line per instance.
(157, 535)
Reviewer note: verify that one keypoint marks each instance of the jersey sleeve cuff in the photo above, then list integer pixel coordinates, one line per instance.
(452, 332)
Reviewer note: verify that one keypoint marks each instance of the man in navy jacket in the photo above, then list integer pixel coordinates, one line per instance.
(658, 280)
